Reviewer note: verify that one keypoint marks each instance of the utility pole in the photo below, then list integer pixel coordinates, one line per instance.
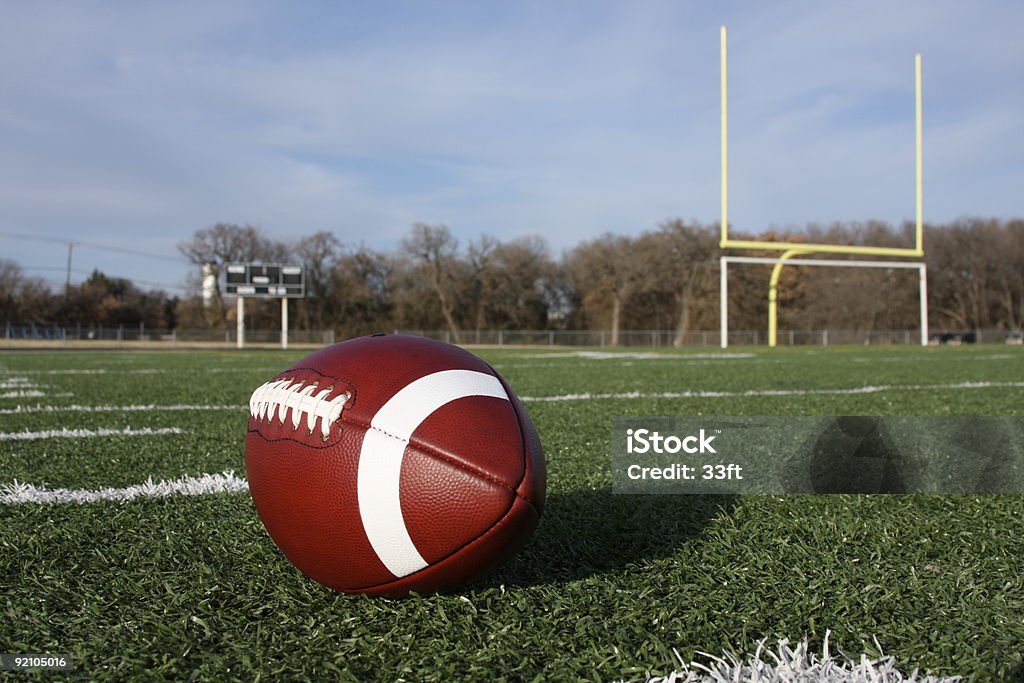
(67, 281)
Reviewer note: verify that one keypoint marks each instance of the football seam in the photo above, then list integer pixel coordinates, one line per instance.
(427, 449)
(320, 447)
(430, 452)
(434, 452)
(498, 522)
(512, 398)
(422, 447)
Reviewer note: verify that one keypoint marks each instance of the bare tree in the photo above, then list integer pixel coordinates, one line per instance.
(23, 298)
(516, 281)
(482, 274)
(362, 291)
(679, 266)
(606, 273)
(436, 250)
(319, 254)
(660, 279)
(224, 243)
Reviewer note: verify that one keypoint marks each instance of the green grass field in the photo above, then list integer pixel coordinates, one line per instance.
(610, 587)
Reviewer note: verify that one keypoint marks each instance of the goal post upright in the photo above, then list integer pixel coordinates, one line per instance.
(918, 159)
(724, 88)
(240, 322)
(723, 301)
(923, 293)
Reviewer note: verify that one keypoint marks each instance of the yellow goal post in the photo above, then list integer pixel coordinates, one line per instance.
(792, 250)
(723, 289)
(728, 243)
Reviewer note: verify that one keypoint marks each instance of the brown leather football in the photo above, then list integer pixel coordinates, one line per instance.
(389, 464)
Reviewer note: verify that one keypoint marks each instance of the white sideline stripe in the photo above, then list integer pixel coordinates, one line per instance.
(87, 433)
(18, 493)
(871, 389)
(140, 408)
(380, 459)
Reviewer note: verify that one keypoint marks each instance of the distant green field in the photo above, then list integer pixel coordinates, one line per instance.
(610, 587)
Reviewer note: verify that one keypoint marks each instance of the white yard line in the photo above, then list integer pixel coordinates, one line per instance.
(139, 408)
(871, 389)
(942, 359)
(94, 371)
(254, 368)
(796, 662)
(636, 355)
(586, 396)
(67, 371)
(18, 383)
(625, 362)
(135, 371)
(17, 493)
(32, 393)
(87, 433)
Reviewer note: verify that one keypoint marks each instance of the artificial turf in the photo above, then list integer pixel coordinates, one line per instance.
(610, 587)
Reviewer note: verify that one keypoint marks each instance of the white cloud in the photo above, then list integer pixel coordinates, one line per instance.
(556, 118)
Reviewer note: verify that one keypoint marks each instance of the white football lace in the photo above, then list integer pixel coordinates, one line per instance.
(284, 394)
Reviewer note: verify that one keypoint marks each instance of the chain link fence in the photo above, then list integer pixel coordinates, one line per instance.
(710, 338)
(22, 333)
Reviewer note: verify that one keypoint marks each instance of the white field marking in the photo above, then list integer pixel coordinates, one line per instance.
(31, 393)
(66, 371)
(17, 493)
(94, 371)
(142, 408)
(87, 433)
(252, 368)
(797, 662)
(380, 459)
(944, 359)
(133, 371)
(23, 387)
(871, 389)
(637, 355)
(18, 383)
(676, 361)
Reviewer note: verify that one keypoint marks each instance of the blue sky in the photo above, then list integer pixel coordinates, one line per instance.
(134, 124)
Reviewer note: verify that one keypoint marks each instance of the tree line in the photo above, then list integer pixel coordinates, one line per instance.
(664, 279)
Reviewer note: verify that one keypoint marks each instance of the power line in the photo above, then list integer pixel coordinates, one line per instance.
(79, 271)
(93, 245)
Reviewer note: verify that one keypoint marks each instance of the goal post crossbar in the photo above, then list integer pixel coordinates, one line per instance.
(724, 262)
(823, 262)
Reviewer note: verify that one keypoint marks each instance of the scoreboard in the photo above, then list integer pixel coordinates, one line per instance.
(274, 280)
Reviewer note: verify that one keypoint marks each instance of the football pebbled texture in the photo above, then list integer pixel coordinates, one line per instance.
(392, 464)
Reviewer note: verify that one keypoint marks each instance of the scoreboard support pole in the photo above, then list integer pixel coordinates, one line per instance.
(284, 322)
(240, 322)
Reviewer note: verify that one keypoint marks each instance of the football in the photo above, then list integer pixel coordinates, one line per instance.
(392, 464)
